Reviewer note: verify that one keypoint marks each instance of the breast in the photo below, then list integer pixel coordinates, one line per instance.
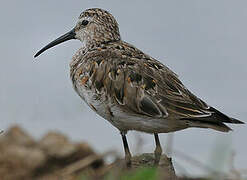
(83, 79)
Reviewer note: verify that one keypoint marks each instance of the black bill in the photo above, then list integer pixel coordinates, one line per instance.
(68, 36)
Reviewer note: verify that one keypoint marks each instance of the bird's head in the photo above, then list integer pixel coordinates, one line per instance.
(94, 26)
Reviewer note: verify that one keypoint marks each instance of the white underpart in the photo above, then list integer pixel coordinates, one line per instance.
(125, 121)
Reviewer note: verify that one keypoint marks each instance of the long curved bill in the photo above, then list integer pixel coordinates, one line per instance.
(68, 36)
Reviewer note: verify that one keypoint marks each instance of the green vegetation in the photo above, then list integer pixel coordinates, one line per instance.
(142, 173)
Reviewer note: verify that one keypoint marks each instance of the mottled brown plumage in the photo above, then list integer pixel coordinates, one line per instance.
(129, 88)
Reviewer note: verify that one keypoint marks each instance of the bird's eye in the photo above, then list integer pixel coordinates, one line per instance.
(84, 22)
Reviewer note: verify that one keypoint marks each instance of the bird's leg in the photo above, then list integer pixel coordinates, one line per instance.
(126, 150)
(158, 149)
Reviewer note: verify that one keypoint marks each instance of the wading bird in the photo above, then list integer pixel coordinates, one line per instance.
(129, 88)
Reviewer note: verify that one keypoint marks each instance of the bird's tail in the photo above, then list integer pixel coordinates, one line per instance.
(215, 121)
(235, 121)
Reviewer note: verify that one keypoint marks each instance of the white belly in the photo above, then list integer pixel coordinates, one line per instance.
(122, 120)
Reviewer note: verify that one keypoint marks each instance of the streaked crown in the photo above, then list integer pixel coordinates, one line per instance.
(97, 26)
(94, 27)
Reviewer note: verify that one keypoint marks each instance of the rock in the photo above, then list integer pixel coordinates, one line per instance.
(22, 157)
(19, 154)
(56, 157)
(16, 135)
(165, 169)
(61, 152)
(56, 145)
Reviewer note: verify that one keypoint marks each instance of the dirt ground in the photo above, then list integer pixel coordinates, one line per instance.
(55, 157)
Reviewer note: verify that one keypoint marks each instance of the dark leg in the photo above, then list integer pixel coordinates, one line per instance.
(126, 150)
(158, 149)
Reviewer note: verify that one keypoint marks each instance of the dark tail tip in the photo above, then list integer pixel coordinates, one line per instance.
(224, 118)
(235, 121)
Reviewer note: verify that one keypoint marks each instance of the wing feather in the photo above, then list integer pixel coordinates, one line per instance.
(143, 85)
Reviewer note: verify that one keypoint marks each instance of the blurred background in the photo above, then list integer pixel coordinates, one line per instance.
(204, 42)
